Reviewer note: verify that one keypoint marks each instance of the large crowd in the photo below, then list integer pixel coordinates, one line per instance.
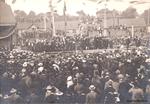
(68, 43)
(105, 77)
(71, 43)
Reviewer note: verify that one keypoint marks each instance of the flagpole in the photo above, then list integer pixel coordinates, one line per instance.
(65, 19)
(45, 27)
(148, 16)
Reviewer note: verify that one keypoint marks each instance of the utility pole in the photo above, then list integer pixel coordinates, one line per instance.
(45, 25)
(148, 17)
(105, 19)
(52, 19)
(65, 19)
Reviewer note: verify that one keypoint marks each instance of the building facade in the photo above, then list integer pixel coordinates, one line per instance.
(7, 26)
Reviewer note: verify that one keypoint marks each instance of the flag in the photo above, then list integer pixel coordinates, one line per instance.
(99, 2)
(133, 2)
(59, 1)
(13, 1)
(93, 0)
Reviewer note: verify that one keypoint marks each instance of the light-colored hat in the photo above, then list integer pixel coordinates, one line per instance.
(23, 70)
(25, 64)
(107, 73)
(107, 76)
(83, 60)
(120, 76)
(40, 64)
(40, 69)
(33, 73)
(147, 60)
(11, 57)
(76, 68)
(6, 97)
(92, 87)
(49, 87)
(13, 90)
(32, 64)
(129, 61)
(59, 93)
(56, 66)
(69, 58)
(69, 78)
(77, 75)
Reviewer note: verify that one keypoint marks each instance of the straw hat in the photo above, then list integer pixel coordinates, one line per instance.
(69, 78)
(40, 64)
(23, 70)
(25, 64)
(92, 87)
(40, 69)
(13, 91)
(49, 87)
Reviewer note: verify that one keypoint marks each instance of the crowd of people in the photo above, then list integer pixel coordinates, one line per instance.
(71, 43)
(105, 77)
(68, 43)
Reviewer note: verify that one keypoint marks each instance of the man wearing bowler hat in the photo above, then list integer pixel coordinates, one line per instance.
(91, 97)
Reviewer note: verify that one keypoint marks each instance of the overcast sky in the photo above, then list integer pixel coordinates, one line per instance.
(74, 5)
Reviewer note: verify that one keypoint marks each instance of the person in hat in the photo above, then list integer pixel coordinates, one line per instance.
(15, 98)
(124, 87)
(91, 97)
(50, 95)
(109, 93)
(137, 94)
(148, 92)
(40, 64)
(70, 85)
(24, 84)
(96, 80)
(79, 90)
(33, 98)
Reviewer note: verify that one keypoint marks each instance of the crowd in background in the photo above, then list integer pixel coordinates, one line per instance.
(105, 77)
(70, 43)
(39, 41)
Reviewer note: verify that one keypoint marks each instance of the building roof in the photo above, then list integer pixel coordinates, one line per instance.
(59, 25)
(6, 31)
(6, 15)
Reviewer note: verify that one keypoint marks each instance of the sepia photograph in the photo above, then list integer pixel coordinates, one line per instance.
(74, 51)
